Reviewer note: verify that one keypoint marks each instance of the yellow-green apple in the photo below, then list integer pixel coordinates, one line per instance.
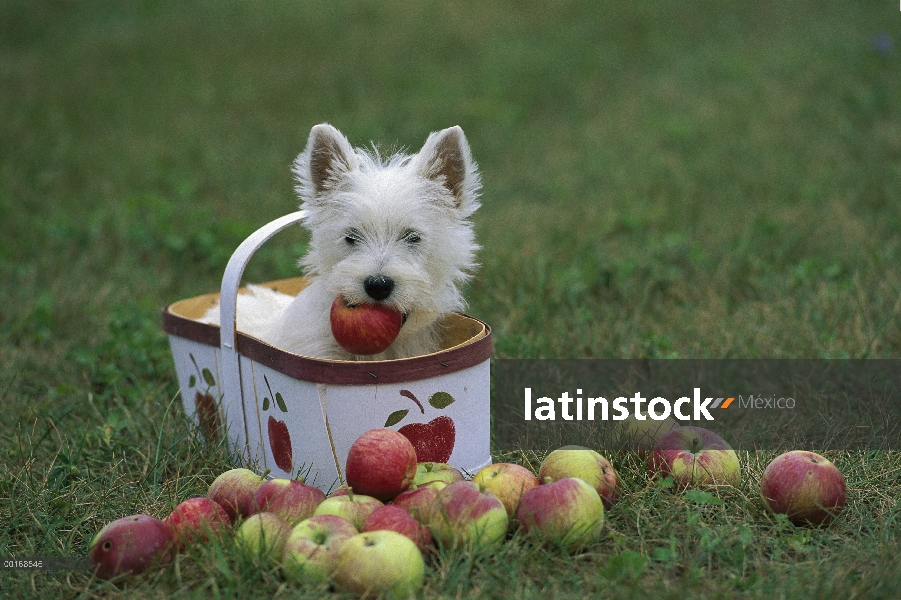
(197, 520)
(262, 537)
(394, 518)
(351, 506)
(381, 463)
(695, 456)
(427, 472)
(805, 486)
(310, 554)
(420, 502)
(466, 514)
(130, 545)
(568, 513)
(507, 481)
(290, 499)
(380, 563)
(234, 491)
(578, 461)
(364, 329)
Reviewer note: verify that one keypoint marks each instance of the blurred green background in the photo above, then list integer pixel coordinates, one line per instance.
(661, 179)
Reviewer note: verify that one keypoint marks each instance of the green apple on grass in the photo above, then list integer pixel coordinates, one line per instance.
(380, 563)
(467, 515)
(507, 481)
(584, 463)
(310, 554)
(351, 506)
(426, 472)
(262, 537)
(567, 513)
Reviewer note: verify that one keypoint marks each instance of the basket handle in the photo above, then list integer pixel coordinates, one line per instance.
(228, 297)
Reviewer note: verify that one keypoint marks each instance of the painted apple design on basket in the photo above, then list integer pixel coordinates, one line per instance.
(206, 406)
(279, 438)
(433, 441)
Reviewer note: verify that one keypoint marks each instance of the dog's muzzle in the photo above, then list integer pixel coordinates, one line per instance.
(378, 287)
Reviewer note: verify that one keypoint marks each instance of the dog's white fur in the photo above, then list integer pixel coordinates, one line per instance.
(403, 218)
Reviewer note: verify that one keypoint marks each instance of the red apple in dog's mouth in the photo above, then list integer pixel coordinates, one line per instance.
(364, 329)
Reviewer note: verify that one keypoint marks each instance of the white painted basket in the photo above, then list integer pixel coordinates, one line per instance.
(296, 415)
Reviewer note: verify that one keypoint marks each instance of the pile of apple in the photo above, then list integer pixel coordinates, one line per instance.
(370, 535)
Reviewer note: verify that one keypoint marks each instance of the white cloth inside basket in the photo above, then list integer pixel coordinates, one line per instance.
(258, 311)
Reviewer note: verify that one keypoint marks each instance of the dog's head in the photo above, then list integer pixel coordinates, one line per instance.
(392, 230)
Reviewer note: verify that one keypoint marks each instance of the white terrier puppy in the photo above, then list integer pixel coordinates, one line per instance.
(389, 231)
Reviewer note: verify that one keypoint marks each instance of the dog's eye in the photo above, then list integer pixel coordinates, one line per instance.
(411, 237)
(352, 238)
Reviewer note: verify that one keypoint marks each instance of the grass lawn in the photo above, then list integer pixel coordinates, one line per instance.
(661, 179)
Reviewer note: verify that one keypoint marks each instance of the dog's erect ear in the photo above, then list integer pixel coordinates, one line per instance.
(445, 158)
(326, 159)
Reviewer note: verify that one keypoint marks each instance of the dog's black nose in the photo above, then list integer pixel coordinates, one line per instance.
(378, 287)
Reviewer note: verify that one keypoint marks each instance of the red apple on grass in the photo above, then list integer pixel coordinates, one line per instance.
(507, 481)
(381, 463)
(427, 472)
(351, 506)
(234, 491)
(568, 513)
(130, 545)
(262, 537)
(290, 499)
(420, 502)
(380, 563)
(197, 520)
(394, 518)
(805, 486)
(695, 456)
(467, 515)
(310, 554)
(364, 329)
(577, 461)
